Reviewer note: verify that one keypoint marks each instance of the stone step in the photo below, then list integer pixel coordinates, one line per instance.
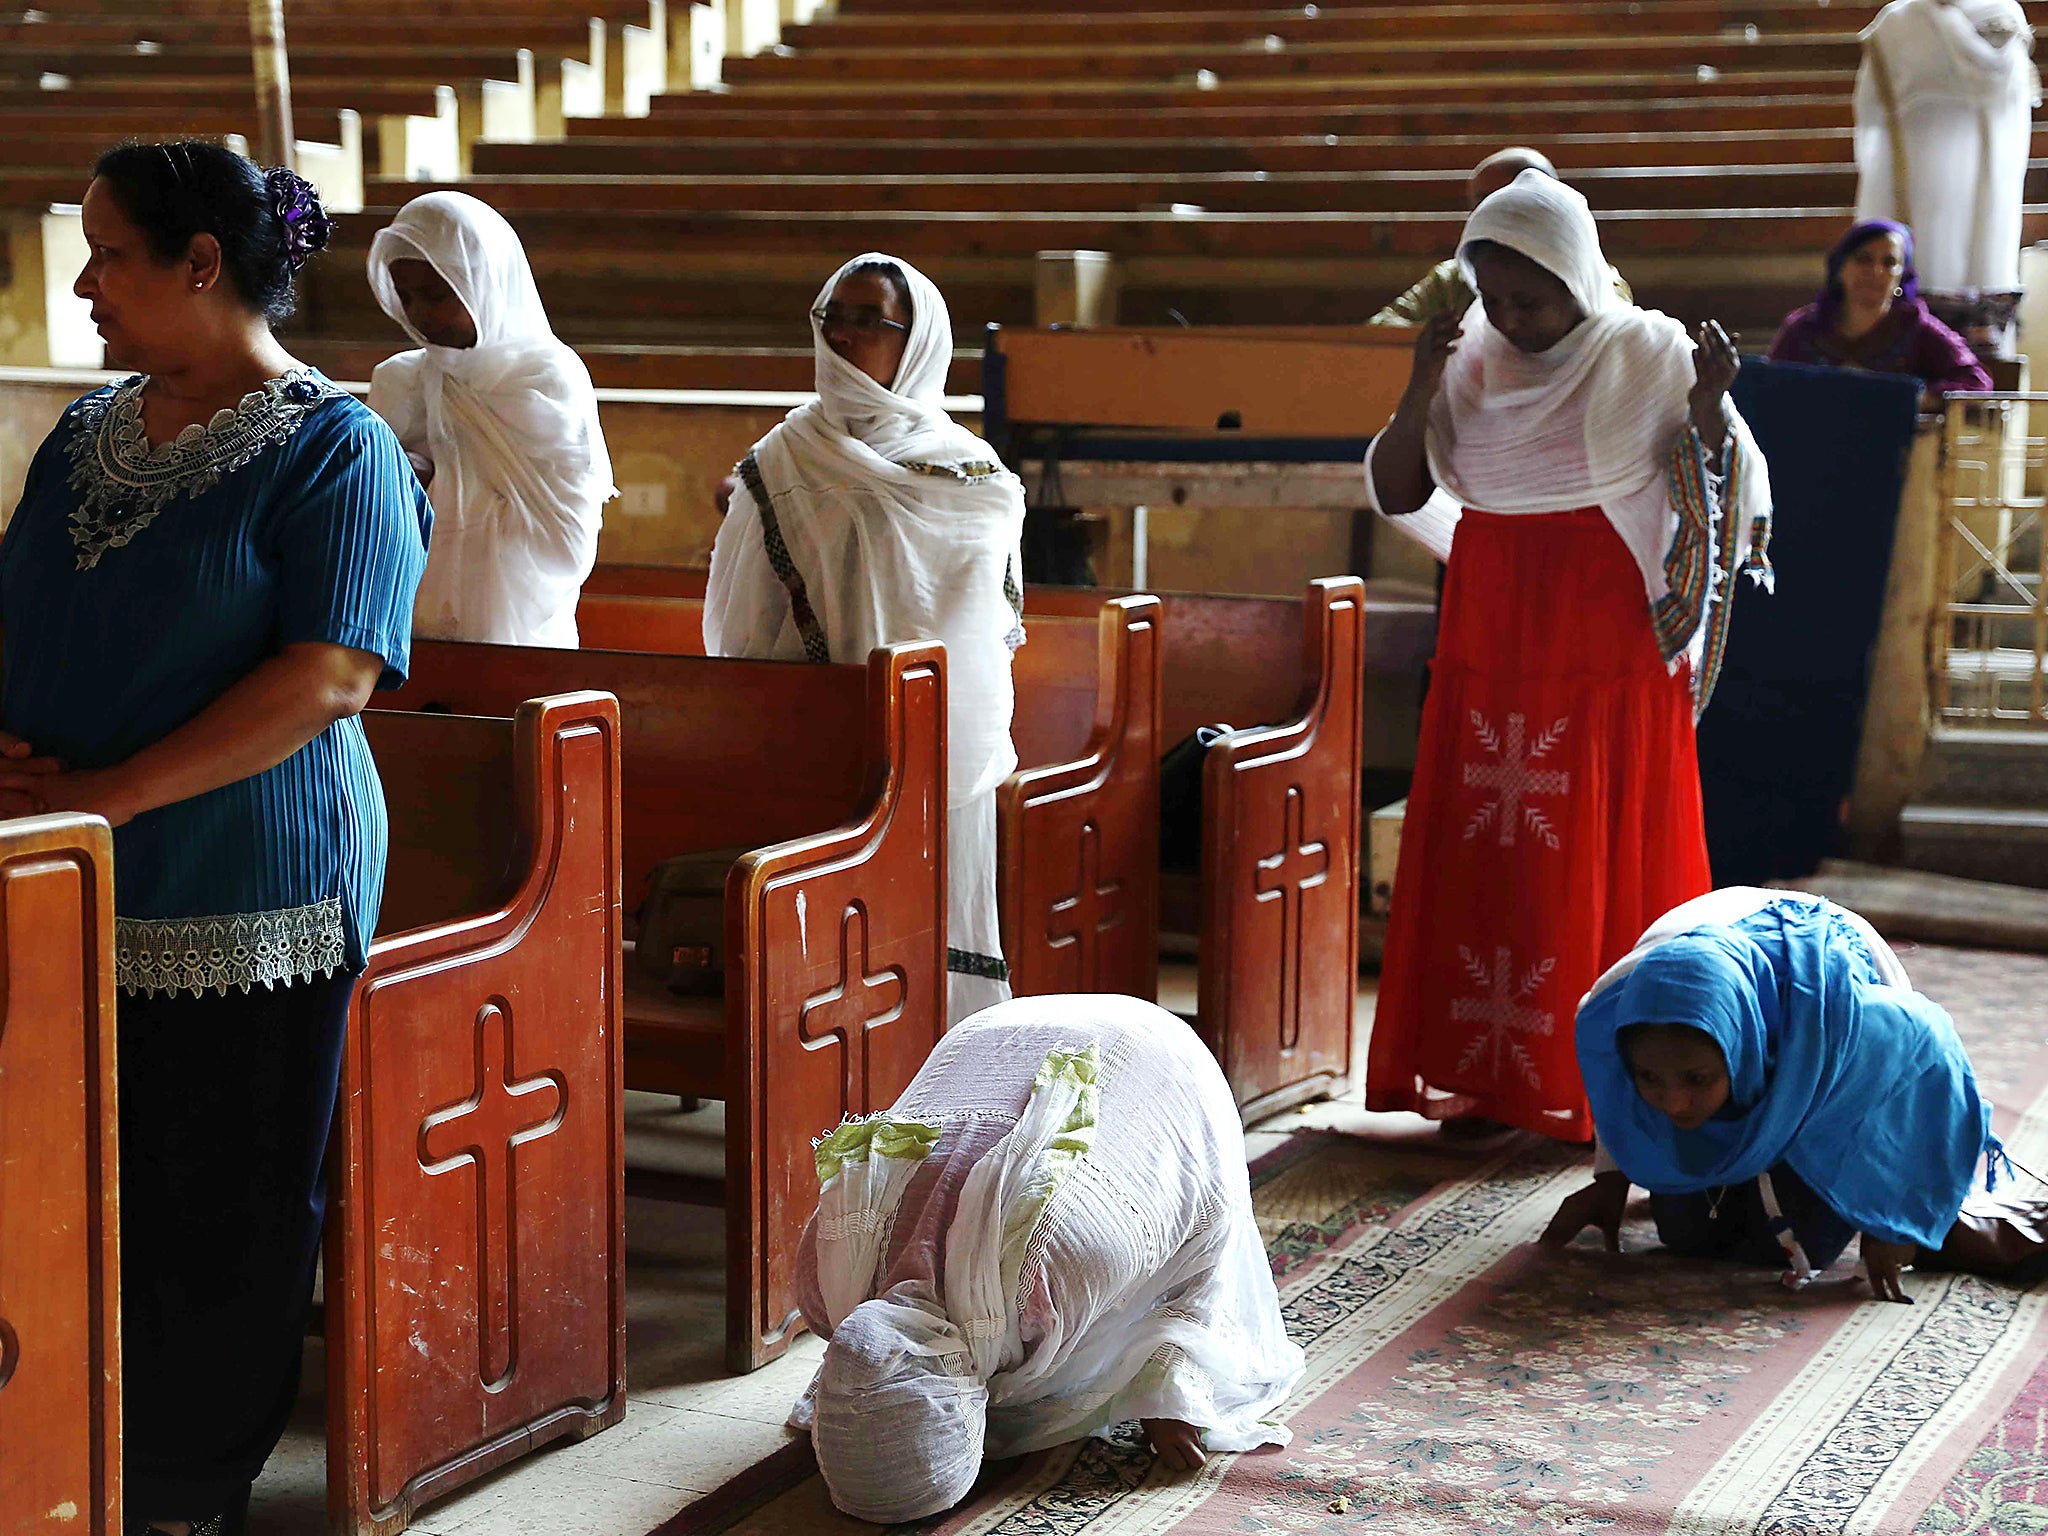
(2003, 843)
(1987, 768)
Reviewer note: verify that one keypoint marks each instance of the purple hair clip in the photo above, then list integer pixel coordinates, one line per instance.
(306, 225)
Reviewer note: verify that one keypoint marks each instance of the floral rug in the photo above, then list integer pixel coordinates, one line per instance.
(1463, 1380)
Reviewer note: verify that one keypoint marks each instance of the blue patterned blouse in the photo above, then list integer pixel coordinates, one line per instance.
(138, 584)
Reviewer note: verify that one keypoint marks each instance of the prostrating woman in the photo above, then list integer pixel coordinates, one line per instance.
(870, 517)
(1049, 1234)
(498, 418)
(1608, 490)
(1762, 1065)
(211, 568)
(1869, 315)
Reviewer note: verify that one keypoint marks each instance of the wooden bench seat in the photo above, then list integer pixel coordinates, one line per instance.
(784, 370)
(1506, 119)
(1077, 824)
(1244, 24)
(1531, 83)
(1407, 58)
(835, 975)
(339, 63)
(593, 156)
(1676, 188)
(649, 240)
(475, 1268)
(60, 1228)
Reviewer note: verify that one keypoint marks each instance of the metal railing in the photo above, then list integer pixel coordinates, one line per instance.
(1989, 652)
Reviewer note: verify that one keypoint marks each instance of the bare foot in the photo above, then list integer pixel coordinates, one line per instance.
(1178, 1445)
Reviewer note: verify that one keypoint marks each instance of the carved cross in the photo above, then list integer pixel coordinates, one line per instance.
(1095, 907)
(860, 1001)
(1283, 877)
(482, 1131)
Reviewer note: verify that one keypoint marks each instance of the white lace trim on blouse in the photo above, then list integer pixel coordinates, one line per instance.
(123, 482)
(239, 949)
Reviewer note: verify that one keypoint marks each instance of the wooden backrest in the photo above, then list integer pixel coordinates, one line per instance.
(717, 753)
(1228, 660)
(60, 1360)
(1055, 671)
(1274, 383)
(450, 794)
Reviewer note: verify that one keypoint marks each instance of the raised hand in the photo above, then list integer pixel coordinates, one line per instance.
(1885, 1263)
(1433, 349)
(1715, 362)
(1600, 1204)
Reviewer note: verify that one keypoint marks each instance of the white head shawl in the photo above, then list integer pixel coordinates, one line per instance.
(899, 1415)
(1595, 421)
(510, 425)
(903, 525)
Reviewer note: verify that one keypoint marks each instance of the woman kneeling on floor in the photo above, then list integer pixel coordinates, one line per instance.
(1762, 1065)
(1049, 1234)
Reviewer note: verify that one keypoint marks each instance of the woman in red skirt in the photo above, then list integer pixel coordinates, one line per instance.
(1601, 488)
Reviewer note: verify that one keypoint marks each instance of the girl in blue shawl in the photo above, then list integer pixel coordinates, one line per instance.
(1762, 1066)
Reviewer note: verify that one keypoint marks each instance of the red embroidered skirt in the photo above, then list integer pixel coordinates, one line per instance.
(1555, 815)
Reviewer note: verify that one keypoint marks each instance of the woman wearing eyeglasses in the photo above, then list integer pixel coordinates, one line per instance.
(870, 517)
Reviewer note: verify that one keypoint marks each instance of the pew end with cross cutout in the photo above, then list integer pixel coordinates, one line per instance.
(1077, 824)
(476, 1244)
(60, 1355)
(1275, 907)
(834, 776)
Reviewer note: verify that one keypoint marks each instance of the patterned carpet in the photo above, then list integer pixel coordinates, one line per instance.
(1463, 1380)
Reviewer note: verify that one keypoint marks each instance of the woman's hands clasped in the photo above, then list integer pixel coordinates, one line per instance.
(1601, 1204)
(24, 777)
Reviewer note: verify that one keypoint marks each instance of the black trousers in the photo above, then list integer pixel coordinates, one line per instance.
(225, 1108)
(1735, 1225)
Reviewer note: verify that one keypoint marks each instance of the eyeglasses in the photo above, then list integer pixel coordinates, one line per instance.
(862, 322)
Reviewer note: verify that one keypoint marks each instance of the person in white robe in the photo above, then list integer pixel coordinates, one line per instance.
(869, 517)
(1944, 125)
(499, 420)
(1051, 1233)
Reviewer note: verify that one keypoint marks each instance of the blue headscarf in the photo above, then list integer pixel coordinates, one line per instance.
(1862, 1088)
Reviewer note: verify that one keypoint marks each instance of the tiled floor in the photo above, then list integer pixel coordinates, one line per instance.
(688, 1426)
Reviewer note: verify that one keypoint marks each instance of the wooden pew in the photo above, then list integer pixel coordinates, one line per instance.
(1421, 114)
(475, 1270)
(1243, 25)
(1692, 187)
(604, 156)
(835, 982)
(1077, 824)
(1390, 58)
(1276, 905)
(60, 1230)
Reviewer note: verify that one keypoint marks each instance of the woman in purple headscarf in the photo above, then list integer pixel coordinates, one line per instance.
(1870, 316)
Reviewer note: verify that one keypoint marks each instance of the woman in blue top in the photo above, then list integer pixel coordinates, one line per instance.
(211, 568)
(1762, 1065)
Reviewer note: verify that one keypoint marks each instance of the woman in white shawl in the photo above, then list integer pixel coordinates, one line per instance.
(498, 418)
(1602, 489)
(869, 517)
(1051, 1233)
(1944, 124)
